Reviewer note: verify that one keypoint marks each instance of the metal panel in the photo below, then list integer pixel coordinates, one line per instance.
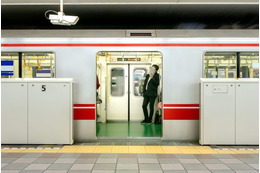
(219, 113)
(247, 113)
(49, 113)
(14, 113)
(117, 93)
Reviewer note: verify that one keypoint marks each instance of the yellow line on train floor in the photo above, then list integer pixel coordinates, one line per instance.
(133, 149)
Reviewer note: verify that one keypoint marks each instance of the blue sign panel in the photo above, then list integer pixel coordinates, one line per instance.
(7, 67)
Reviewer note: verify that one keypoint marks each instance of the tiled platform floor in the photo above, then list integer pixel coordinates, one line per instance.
(128, 163)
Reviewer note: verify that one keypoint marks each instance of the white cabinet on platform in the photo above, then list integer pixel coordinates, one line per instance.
(42, 111)
(229, 111)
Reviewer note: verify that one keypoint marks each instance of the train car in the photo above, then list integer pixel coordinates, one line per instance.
(119, 60)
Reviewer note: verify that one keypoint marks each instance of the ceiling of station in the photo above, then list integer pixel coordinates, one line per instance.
(170, 14)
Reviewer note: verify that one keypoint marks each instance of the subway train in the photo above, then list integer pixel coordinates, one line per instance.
(118, 61)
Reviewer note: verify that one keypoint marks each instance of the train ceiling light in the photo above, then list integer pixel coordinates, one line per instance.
(59, 18)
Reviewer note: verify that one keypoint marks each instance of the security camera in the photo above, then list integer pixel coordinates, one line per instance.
(61, 19)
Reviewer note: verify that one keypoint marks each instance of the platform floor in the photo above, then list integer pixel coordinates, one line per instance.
(132, 129)
(130, 157)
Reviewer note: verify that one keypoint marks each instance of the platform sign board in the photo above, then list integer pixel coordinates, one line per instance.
(45, 73)
(7, 67)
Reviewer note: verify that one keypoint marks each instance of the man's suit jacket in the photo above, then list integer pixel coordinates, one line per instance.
(152, 85)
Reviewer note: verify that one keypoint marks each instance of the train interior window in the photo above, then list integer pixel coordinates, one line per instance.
(38, 65)
(139, 78)
(9, 65)
(121, 75)
(117, 82)
(249, 65)
(220, 65)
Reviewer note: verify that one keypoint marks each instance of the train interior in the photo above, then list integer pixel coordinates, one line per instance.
(121, 77)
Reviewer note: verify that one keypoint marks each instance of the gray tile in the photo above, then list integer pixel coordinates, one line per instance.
(32, 155)
(217, 167)
(241, 156)
(103, 171)
(127, 161)
(185, 156)
(230, 161)
(60, 166)
(199, 171)
(223, 156)
(230, 171)
(82, 167)
(168, 156)
(168, 161)
(10, 171)
(15, 166)
(76, 171)
(189, 160)
(151, 171)
(55, 171)
(204, 156)
(147, 160)
(250, 160)
(238, 166)
(106, 160)
(149, 166)
(130, 155)
(104, 166)
(51, 155)
(256, 166)
(108, 155)
(24, 160)
(13, 155)
(166, 167)
(37, 167)
(45, 160)
(127, 166)
(127, 171)
(246, 171)
(146, 155)
(86, 161)
(194, 166)
(89, 155)
(65, 160)
(70, 155)
(175, 171)
(210, 161)
(3, 164)
(32, 171)
(7, 160)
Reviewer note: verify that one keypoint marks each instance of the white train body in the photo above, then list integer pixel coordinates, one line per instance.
(182, 67)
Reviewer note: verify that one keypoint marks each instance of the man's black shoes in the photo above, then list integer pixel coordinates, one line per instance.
(143, 122)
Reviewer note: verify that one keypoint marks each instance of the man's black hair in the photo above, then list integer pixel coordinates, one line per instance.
(156, 67)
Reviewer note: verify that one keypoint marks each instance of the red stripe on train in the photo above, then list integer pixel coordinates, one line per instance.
(84, 105)
(135, 45)
(84, 114)
(181, 105)
(181, 114)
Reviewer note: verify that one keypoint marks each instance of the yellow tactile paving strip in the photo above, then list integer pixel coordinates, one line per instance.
(132, 149)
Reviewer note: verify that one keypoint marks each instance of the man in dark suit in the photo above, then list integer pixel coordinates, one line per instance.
(151, 84)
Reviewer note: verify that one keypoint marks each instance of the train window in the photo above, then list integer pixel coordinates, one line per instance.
(139, 77)
(220, 65)
(9, 65)
(38, 65)
(249, 65)
(117, 82)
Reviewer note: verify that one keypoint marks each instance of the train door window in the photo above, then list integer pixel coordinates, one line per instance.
(38, 65)
(220, 65)
(249, 65)
(117, 82)
(139, 77)
(9, 65)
